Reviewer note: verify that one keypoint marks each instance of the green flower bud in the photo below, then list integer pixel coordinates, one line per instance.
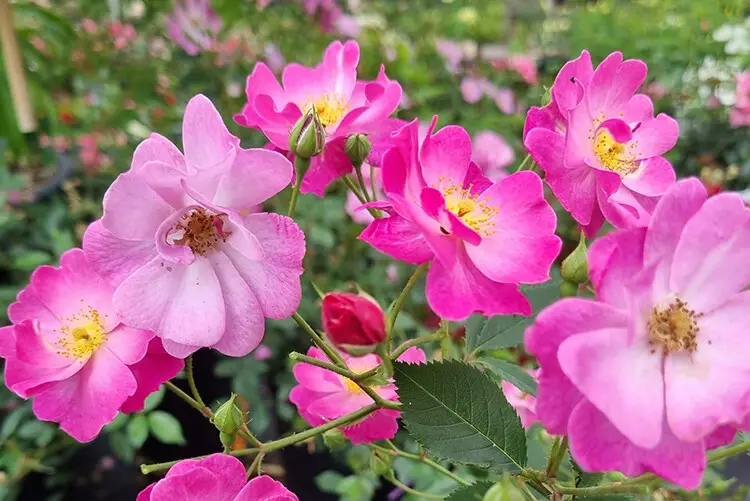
(334, 439)
(380, 463)
(505, 490)
(227, 440)
(308, 136)
(357, 148)
(547, 96)
(575, 267)
(568, 289)
(228, 418)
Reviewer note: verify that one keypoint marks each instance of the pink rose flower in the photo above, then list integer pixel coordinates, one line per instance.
(655, 370)
(323, 396)
(69, 352)
(178, 237)
(473, 89)
(193, 25)
(739, 114)
(218, 477)
(600, 145)
(453, 54)
(344, 104)
(524, 65)
(483, 238)
(523, 403)
(492, 154)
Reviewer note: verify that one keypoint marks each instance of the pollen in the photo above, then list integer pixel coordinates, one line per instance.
(471, 208)
(351, 387)
(81, 334)
(329, 107)
(615, 157)
(674, 329)
(200, 230)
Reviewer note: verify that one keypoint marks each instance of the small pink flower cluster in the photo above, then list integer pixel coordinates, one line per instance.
(739, 115)
(193, 25)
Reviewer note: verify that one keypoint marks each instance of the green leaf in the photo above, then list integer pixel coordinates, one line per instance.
(119, 422)
(473, 492)
(12, 421)
(458, 413)
(122, 446)
(137, 430)
(514, 374)
(165, 428)
(153, 400)
(504, 331)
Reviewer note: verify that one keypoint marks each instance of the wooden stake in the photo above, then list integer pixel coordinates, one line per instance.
(15, 70)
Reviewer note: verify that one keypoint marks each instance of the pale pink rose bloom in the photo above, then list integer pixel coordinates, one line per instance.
(274, 58)
(193, 25)
(452, 53)
(323, 396)
(523, 403)
(218, 477)
(483, 238)
(600, 145)
(524, 65)
(69, 352)
(262, 352)
(178, 237)
(654, 371)
(492, 154)
(89, 25)
(739, 115)
(344, 104)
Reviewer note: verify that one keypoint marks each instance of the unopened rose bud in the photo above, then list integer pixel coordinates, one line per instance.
(380, 463)
(575, 267)
(228, 418)
(353, 320)
(504, 490)
(308, 136)
(334, 439)
(568, 289)
(357, 148)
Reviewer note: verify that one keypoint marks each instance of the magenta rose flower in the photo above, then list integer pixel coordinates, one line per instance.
(351, 319)
(523, 403)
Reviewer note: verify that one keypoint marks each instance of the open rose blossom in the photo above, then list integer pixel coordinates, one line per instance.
(656, 369)
(323, 396)
(600, 145)
(523, 403)
(190, 260)
(483, 238)
(69, 352)
(218, 477)
(344, 105)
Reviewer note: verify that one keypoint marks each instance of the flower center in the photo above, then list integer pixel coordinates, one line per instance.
(470, 209)
(200, 230)
(351, 386)
(330, 109)
(674, 328)
(616, 157)
(81, 334)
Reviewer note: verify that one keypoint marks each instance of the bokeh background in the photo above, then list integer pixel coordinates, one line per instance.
(103, 74)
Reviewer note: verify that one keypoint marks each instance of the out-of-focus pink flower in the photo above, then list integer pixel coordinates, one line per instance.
(523, 403)
(472, 90)
(331, 17)
(89, 153)
(452, 53)
(61, 143)
(122, 34)
(655, 370)
(524, 65)
(193, 25)
(39, 44)
(391, 272)
(492, 154)
(262, 352)
(353, 206)
(274, 58)
(262, 4)
(178, 238)
(323, 396)
(483, 238)
(344, 105)
(347, 26)
(218, 477)
(89, 25)
(600, 145)
(739, 115)
(69, 352)
(713, 102)
(656, 90)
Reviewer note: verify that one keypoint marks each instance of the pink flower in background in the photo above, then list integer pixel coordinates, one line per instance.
(218, 477)
(89, 25)
(178, 237)
(656, 90)
(473, 89)
(274, 58)
(483, 239)
(600, 145)
(262, 352)
(354, 207)
(344, 105)
(655, 370)
(193, 25)
(492, 154)
(523, 403)
(69, 352)
(88, 153)
(713, 103)
(122, 35)
(452, 53)
(331, 17)
(739, 115)
(524, 65)
(322, 395)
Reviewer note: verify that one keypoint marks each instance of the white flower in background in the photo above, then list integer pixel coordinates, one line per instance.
(736, 37)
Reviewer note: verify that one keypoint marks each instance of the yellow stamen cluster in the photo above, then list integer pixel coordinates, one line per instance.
(472, 209)
(329, 107)
(674, 329)
(616, 157)
(201, 231)
(81, 334)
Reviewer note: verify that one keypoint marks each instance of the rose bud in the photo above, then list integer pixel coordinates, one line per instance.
(355, 321)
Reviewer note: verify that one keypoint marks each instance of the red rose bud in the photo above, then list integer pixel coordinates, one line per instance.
(353, 320)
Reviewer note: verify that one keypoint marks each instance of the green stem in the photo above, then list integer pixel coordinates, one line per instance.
(385, 359)
(190, 400)
(395, 451)
(372, 183)
(392, 479)
(435, 336)
(301, 165)
(350, 184)
(525, 164)
(402, 299)
(255, 465)
(726, 452)
(191, 381)
(247, 435)
(602, 489)
(556, 457)
(361, 181)
(332, 355)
